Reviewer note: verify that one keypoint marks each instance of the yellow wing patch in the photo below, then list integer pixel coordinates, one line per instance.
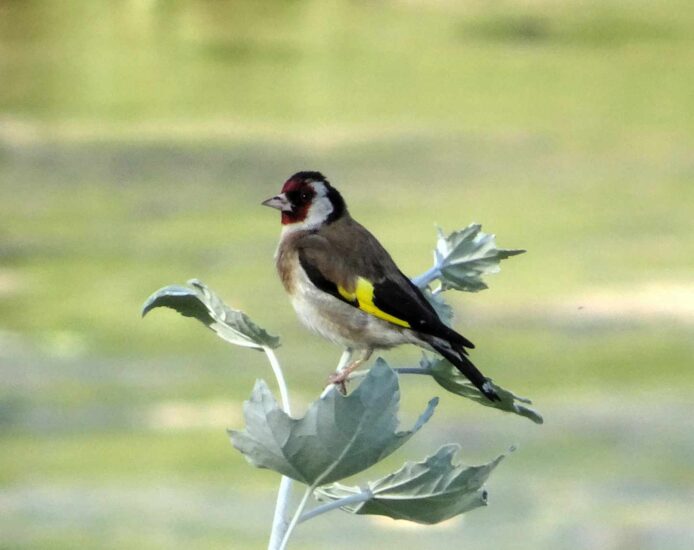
(364, 295)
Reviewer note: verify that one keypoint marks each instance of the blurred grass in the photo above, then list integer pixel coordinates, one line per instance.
(137, 140)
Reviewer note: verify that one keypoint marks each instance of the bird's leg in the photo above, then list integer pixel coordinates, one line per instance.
(339, 378)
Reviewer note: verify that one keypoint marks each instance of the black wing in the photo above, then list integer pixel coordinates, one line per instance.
(395, 295)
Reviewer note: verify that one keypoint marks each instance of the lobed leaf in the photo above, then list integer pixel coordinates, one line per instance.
(339, 436)
(427, 492)
(464, 256)
(203, 304)
(450, 378)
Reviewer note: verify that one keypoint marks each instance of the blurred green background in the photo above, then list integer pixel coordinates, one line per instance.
(137, 139)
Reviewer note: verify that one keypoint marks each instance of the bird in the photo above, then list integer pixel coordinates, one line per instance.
(346, 287)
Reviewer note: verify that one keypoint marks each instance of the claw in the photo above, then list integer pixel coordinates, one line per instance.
(339, 379)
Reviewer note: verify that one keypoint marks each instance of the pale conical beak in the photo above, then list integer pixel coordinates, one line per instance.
(279, 201)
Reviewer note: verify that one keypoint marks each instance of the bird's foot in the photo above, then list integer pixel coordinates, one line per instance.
(340, 380)
(341, 377)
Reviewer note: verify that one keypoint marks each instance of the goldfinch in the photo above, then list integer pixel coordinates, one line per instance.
(346, 287)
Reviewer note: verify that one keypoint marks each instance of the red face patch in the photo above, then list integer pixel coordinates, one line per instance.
(300, 195)
(295, 216)
(293, 185)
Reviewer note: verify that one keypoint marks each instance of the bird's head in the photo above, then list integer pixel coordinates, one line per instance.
(308, 201)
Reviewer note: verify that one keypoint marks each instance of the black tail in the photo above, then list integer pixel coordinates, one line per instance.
(452, 349)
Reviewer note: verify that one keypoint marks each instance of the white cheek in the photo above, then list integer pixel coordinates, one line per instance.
(319, 212)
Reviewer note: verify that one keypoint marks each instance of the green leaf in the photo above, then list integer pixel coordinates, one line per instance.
(339, 436)
(428, 492)
(451, 379)
(201, 303)
(464, 256)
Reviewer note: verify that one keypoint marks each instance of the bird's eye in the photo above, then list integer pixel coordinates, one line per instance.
(305, 196)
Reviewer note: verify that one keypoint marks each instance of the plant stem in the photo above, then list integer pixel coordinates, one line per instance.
(399, 370)
(279, 522)
(297, 515)
(344, 359)
(412, 370)
(342, 363)
(425, 278)
(330, 506)
(280, 530)
(277, 369)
